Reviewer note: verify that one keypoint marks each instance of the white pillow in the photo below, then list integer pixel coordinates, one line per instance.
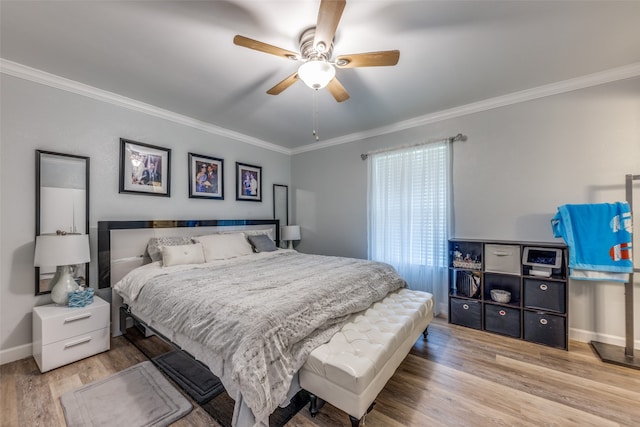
(182, 254)
(224, 246)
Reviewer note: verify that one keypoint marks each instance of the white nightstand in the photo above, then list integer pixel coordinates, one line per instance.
(62, 335)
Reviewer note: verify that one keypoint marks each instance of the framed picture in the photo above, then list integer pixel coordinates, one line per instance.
(205, 177)
(248, 182)
(144, 169)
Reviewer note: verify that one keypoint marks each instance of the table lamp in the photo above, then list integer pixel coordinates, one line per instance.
(291, 233)
(62, 251)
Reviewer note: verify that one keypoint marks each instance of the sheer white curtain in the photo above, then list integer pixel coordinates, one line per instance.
(409, 214)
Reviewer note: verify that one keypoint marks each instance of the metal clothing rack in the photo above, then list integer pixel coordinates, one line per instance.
(613, 353)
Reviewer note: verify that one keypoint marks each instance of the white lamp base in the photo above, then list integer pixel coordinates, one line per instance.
(61, 284)
(290, 244)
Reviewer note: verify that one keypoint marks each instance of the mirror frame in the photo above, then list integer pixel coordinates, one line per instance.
(278, 209)
(39, 154)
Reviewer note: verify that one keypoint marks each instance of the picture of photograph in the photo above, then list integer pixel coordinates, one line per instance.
(248, 182)
(205, 177)
(144, 168)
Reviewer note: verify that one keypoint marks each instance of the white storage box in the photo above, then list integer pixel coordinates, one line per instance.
(502, 258)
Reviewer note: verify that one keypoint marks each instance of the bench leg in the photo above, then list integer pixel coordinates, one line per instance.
(355, 422)
(315, 404)
(426, 332)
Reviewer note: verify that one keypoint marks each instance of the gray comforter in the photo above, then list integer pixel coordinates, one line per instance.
(260, 316)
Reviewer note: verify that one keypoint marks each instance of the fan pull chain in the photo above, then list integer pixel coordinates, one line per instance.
(315, 115)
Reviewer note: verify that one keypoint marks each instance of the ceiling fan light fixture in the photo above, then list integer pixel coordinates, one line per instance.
(316, 73)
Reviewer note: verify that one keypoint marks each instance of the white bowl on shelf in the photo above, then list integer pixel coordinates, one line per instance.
(499, 295)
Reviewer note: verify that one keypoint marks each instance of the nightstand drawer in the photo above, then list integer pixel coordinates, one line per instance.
(61, 322)
(72, 349)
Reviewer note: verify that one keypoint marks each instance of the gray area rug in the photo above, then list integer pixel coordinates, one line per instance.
(135, 397)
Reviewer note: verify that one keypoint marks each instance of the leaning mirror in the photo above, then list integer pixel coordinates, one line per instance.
(62, 205)
(281, 204)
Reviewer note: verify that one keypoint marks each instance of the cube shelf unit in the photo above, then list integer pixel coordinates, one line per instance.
(537, 310)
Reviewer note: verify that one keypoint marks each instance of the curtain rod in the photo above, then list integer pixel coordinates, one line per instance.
(458, 137)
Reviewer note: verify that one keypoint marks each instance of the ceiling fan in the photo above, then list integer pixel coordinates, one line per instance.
(316, 49)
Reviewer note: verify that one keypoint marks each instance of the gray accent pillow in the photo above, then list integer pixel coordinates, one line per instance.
(262, 243)
(155, 244)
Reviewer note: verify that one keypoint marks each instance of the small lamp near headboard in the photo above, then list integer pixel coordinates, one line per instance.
(291, 233)
(62, 251)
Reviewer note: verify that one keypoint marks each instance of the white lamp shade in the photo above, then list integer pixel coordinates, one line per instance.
(316, 74)
(56, 250)
(291, 232)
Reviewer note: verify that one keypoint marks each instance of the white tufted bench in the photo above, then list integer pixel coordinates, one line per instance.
(353, 367)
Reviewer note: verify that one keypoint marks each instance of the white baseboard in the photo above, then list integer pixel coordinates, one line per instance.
(26, 350)
(588, 336)
(16, 353)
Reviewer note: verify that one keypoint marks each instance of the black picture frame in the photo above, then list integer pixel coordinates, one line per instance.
(210, 185)
(139, 170)
(248, 182)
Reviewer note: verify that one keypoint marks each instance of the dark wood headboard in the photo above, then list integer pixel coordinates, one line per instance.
(163, 227)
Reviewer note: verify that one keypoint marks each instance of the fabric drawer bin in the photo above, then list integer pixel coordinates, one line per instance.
(545, 328)
(502, 320)
(545, 295)
(465, 312)
(502, 258)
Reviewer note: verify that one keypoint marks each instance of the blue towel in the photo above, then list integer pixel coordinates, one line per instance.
(599, 239)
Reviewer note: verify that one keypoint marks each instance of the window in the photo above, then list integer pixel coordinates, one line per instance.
(409, 214)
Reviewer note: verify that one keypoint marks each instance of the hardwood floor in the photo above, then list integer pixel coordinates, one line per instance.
(458, 377)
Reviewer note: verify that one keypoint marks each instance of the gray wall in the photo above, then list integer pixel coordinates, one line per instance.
(34, 117)
(519, 164)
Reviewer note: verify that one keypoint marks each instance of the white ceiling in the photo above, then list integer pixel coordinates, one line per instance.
(179, 55)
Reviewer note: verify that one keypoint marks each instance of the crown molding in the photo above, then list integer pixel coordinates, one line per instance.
(28, 73)
(608, 76)
(24, 72)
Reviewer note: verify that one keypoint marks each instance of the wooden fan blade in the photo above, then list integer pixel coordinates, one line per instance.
(264, 47)
(277, 89)
(369, 59)
(328, 18)
(337, 90)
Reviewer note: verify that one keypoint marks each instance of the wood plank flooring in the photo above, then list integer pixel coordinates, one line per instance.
(458, 377)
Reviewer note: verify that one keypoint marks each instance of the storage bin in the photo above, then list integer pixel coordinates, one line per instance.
(545, 328)
(502, 320)
(502, 259)
(465, 312)
(545, 295)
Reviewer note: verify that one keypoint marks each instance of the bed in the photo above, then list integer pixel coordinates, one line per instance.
(251, 312)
